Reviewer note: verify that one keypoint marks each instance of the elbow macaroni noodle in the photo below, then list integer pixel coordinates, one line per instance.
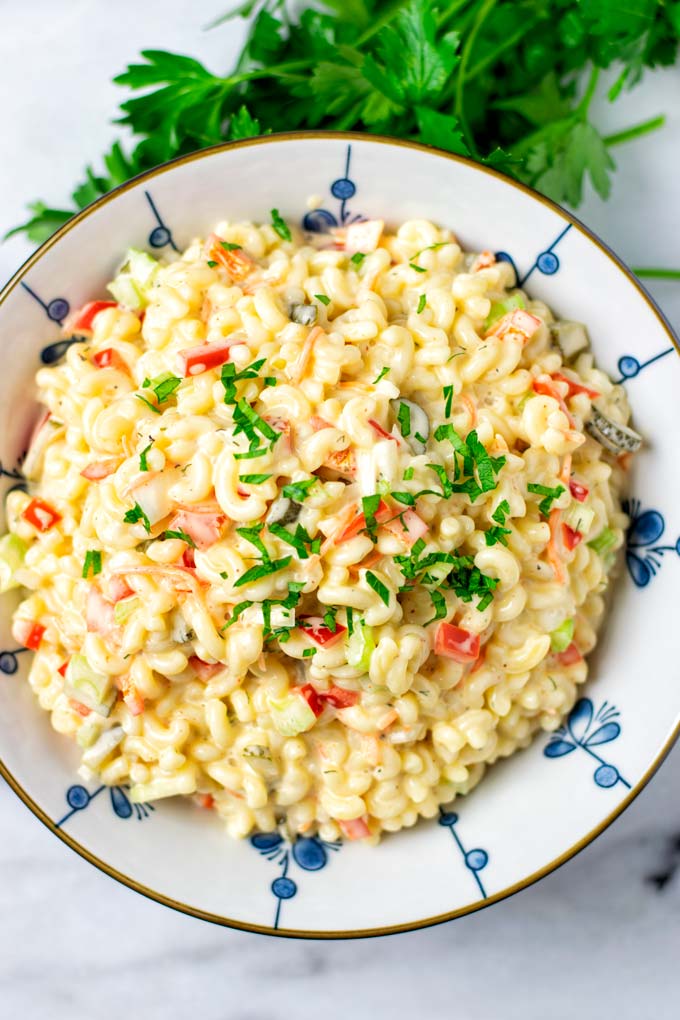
(204, 672)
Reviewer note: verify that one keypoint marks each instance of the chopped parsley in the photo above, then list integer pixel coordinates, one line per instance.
(448, 398)
(439, 606)
(137, 514)
(548, 493)
(280, 225)
(143, 466)
(249, 454)
(369, 505)
(404, 419)
(475, 468)
(323, 298)
(230, 246)
(307, 653)
(381, 375)
(418, 269)
(497, 533)
(378, 587)
(456, 573)
(299, 539)
(329, 619)
(298, 491)
(357, 258)
(254, 479)
(212, 263)
(404, 497)
(261, 570)
(229, 376)
(408, 474)
(349, 616)
(152, 407)
(422, 301)
(93, 563)
(252, 535)
(163, 385)
(182, 535)
(249, 422)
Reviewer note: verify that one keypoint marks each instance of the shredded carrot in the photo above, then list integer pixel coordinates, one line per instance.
(343, 520)
(238, 264)
(371, 748)
(388, 720)
(300, 366)
(553, 548)
(206, 800)
(368, 561)
(181, 575)
(565, 473)
(470, 407)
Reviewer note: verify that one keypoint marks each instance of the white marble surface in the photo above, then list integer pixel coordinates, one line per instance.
(597, 938)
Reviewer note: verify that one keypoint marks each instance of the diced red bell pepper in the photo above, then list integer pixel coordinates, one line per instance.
(28, 633)
(382, 514)
(196, 360)
(41, 515)
(483, 261)
(78, 707)
(408, 526)
(318, 423)
(84, 317)
(342, 461)
(62, 669)
(110, 358)
(311, 696)
(99, 616)
(381, 431)
(99, 469)
(205, 800)
(188, 558)
(119, 589)
(204, 670)
(570, 537)
(575, 387)
(456, 643)
(204, 528)
(569, 656)
(578, 491)
(339, 697)
(354, 828)
(319, 632)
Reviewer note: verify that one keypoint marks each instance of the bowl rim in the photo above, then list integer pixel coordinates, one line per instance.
(568, 217)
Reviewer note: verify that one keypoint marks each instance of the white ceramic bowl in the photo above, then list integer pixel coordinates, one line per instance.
(530, 813)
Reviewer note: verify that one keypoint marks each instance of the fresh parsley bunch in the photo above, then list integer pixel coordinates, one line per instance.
(509, 82)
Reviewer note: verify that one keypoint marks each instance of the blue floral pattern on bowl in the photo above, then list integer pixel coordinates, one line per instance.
(78, 798)
(586, 729)
(643, 554)
(309, 852)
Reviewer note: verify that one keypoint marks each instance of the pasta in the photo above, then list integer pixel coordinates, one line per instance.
(315, 528)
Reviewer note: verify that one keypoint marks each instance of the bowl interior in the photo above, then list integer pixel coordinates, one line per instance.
(530, 812)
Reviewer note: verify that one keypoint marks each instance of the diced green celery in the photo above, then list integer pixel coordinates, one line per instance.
(142, 267)
(125, 608)
(102, 746)
(383, 487)
(88, 733)
(606, 540)
(126, 292)
(155, 789)
(562, 636)
(500, 308)
(12, 552)
(291, 715)
(86, 685)
(579, 516)
(361, 645)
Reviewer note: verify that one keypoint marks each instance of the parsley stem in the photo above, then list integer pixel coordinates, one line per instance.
(383, 20)
(582, 108)
(649, 273)
(481, 17)
(453, 8)
(493, 56)
(272, 71)
(635, 131)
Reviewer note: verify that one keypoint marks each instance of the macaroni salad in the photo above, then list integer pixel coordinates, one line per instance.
(316, 527)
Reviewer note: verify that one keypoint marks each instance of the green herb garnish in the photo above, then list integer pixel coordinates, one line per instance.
(378, 587)
(254, 479)
(418, 269)
(143, 466)
(550, 495)
(92, 563)
(323, 299)
(182, 535)
(381, 375)
(357, 258)
(163, 385)
(448, 398)
(256, 573)
(298, 491)
(280, 225)
(137, 514)
(152, 407)
(422, 301)
(404, 419)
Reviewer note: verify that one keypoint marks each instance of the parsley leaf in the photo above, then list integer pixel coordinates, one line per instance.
(137, 514)
(381, 375)
(280, 225)
(550, 495)
(422, 301)
(181, 535)
(253, 479)
(323, 298)
(261, 570)
(143, 466)
(298, 491)
(92, 563)
(378, 587)
(163, 385)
